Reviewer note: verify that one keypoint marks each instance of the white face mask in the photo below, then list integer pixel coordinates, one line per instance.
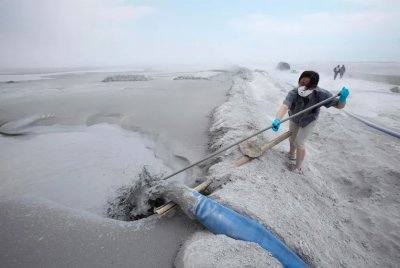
(303, 91)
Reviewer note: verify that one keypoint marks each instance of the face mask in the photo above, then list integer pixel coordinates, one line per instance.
(303, 91)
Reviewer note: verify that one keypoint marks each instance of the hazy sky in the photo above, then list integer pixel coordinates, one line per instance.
(68, 33)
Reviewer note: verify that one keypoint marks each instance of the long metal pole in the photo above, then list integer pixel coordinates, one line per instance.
(249, 137)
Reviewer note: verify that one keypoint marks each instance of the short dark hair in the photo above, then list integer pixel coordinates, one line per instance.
(314, 78)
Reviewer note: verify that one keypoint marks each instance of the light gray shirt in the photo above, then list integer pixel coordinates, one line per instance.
(296, 103)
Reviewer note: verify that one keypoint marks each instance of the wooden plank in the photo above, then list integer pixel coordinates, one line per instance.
(242, 161)
(274, 142)
(264, 148)
(164, 209)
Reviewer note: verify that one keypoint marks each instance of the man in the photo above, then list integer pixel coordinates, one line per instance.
(342, 70)
(307, 94)
(336, 71)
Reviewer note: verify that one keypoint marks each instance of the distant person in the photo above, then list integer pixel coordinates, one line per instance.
(342, 70)
(305, 95)
(336, 71)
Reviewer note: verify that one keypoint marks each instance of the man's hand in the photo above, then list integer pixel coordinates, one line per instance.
(276, 124)
(344, 93)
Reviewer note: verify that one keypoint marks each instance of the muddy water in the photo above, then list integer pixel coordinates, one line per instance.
(173, 111)
(172, 114)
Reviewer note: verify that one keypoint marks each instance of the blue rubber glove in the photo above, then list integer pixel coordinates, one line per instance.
(276, 124)
(344, 93)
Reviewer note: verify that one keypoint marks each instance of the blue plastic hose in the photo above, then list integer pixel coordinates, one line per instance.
(380, 128)
(221, 220)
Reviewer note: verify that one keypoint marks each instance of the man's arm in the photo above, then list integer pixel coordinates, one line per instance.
(344, 93)
(282, 111)
(340, 105)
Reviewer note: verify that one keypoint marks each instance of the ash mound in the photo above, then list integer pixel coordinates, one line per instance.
(134, 77)
(190, 77)
(283, 66)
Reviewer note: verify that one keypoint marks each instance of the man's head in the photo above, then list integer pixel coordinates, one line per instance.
(309, 79)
